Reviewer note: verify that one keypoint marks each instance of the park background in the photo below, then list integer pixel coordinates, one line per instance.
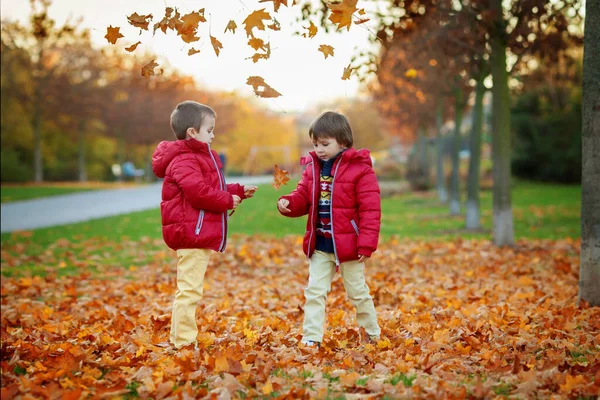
(469, 309)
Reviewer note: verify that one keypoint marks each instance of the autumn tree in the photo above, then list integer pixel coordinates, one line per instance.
(38, 40)
(589, 270)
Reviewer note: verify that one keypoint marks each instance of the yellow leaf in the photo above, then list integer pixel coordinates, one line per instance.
(216, 45)
(326, 50)
(132, 47)
(411, 73)
(139, 21)
(148, 69)
(341, 13)
(231, 26)
(193, 51)
(221, 364)
(267, 388)
(267, 91)
(312, 31)
(255, 20)
(347, 72)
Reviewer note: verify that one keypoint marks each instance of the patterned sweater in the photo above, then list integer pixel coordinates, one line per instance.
(324, 236)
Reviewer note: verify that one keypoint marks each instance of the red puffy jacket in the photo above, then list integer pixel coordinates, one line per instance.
(355, 204)
(195, 197)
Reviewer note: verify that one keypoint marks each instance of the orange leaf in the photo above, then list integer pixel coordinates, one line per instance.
(312, 31)
(192, 51)
(341, 13)
(326, 50)
(139, 21)
(221, 364)
(276, 3)
(113, 34)
(257, 82)
(347, 72)
(216, 45)
(231, 26)
(148, 69)
(257, 43)
(132, 47)
(280, 177)
(255, 20)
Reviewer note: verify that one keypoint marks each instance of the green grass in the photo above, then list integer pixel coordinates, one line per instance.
(18, 193)
(540, 211)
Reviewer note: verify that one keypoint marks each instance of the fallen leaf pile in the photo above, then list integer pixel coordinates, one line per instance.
(461, 319)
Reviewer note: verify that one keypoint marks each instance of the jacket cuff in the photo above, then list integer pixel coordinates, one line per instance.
(363, 251)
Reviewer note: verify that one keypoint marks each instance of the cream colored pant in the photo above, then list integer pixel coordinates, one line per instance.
(322, 270)
(190, 283)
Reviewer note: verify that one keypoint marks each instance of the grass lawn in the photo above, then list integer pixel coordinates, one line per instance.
(540, 211)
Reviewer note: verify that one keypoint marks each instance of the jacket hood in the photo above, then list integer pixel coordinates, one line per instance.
(349, 155)
(166, 151)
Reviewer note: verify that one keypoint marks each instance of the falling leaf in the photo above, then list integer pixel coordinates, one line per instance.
(312, 31)
(361, 21)
(193, 51)
(257, 82)
(411, 73)
(231, 26)
(148, 69)
(216, 45)
(276, 3)
(132, 47)
(326, 50)
(275, 26)
(257, 43)
(280, 177)
(113, 34)
(255, 20)
(341, 13)
(139, 21)
(347, 72)
(258, 56)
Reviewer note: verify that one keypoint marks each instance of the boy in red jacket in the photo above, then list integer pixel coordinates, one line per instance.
(340, 194)
(194, 206)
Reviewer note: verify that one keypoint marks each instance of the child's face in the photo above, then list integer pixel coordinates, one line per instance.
(206, 132)
(327, 148)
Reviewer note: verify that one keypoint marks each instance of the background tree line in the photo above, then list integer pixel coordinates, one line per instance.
(70, 110)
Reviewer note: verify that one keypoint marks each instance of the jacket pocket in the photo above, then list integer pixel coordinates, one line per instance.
(200, 222)
(354, 226)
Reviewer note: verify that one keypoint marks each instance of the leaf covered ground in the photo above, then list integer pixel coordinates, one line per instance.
(460, 319)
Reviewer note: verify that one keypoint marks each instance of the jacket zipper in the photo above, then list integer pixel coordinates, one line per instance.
(354, 225)
(200, 222)
(337, 261)
(312, 215)
(223, 222)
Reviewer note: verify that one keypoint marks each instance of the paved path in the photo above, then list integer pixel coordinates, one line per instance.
(83, 206)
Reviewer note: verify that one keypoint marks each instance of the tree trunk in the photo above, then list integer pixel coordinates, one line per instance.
(440, 178)
(82, 164)
(36, 124)
(455, 180)
(589, 268)
(503, 218)
(120, 155)
(473, 216)
(422, 155)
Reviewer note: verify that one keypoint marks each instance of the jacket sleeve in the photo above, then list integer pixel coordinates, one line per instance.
(200, 195)
(237, 189)
(300, 197)
(369, 212)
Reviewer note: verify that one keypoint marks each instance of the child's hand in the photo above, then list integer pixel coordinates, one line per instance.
(282, 206)
(236, 201)
(249, 190)
(362, 259)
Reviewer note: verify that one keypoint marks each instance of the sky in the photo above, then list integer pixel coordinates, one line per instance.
(296, 68)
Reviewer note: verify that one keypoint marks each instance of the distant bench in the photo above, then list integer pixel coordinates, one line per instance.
(128, 170)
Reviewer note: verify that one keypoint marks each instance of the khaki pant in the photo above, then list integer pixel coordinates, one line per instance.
(190, 283)
(322, 270)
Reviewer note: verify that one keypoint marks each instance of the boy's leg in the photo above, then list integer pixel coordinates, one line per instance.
(190, 281)
(353, 274)
(321, 270)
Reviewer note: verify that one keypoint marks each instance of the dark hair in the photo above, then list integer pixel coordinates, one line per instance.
(189, 114)
(331, 124)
